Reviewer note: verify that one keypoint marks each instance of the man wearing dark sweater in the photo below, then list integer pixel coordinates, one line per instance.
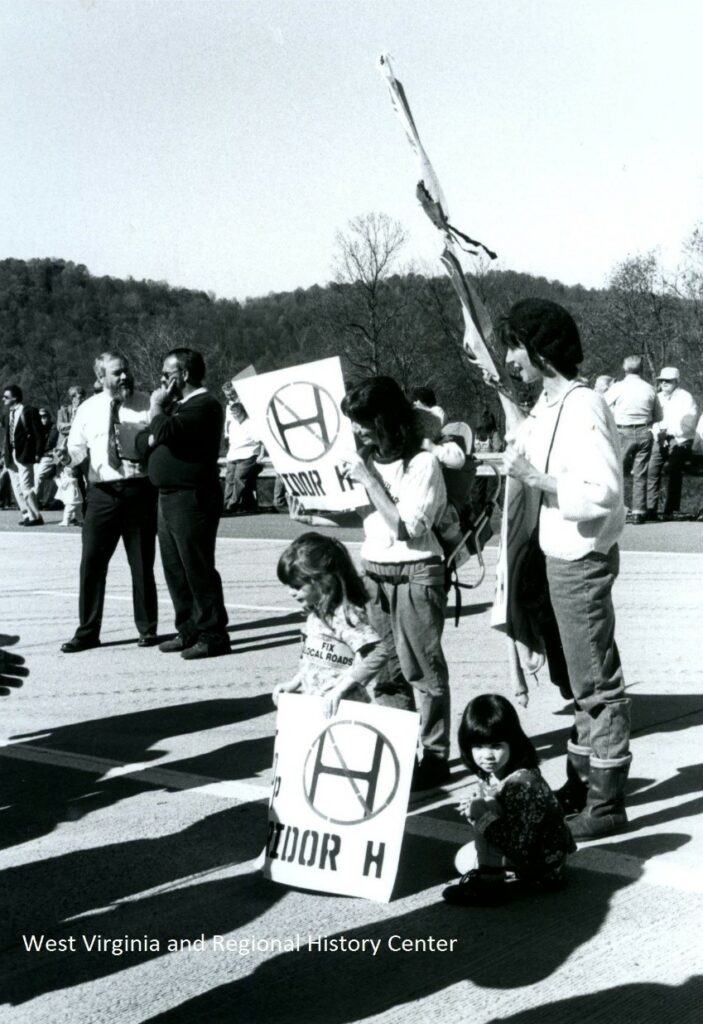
(185, 428)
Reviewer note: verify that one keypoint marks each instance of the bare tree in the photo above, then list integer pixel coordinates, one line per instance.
(637, 312)
(146, 344)
(366, 313)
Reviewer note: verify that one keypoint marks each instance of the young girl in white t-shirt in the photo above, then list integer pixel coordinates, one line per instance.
(341, 652)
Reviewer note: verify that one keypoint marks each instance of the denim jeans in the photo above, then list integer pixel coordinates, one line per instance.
(581, 595)
(636, 445)
(406, 608)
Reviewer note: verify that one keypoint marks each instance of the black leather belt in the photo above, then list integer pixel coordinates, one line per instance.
(633, 426)
(120, 485)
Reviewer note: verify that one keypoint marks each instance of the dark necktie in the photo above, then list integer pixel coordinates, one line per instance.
(113, 452)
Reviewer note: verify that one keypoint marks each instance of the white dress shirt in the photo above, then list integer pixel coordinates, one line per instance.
(90, 432)
(679, 415)
(242, 441)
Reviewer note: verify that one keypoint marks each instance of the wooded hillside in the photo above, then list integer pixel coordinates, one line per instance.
(55, 317)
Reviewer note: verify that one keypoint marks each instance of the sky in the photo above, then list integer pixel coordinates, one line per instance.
(221, 145)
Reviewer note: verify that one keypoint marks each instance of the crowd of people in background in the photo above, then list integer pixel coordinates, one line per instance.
(133, 467)
(661, 437)
(657, 429)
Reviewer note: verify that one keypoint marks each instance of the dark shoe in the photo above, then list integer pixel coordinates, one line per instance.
(651, 515)
(604, 813)
(148, 640)
(637, 519)
(34, 522)
(479, 890)
(206, 649)
(77, 643)
(177, 644)
(429, 773)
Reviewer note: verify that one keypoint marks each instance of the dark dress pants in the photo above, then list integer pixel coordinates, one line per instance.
(188, 521)
(674, 458)
(126, 510)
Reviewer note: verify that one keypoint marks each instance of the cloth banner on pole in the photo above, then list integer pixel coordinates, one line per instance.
(297, 414)
(526, 652)
(340, 795)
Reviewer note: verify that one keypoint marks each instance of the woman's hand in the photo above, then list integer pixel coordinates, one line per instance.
(356, 469)
(516, 465)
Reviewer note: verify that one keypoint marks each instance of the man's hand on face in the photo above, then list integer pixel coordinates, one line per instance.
(164, 398)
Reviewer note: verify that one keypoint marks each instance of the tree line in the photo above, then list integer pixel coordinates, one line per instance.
(379, 315)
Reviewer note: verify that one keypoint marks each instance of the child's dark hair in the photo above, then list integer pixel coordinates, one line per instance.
(325, 561)
(491, 718)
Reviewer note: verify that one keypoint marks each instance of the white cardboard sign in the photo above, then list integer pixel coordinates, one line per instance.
(340, 795)
(296, 413)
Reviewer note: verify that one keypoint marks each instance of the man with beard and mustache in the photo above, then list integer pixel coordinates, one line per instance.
(186, 427)
(121, 502)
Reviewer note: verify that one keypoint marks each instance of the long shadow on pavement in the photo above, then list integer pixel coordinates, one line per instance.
(642, 1002)
(37, 796)
(95, 892)
(499, 948)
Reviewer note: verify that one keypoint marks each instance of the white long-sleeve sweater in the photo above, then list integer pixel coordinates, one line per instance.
(588, 513)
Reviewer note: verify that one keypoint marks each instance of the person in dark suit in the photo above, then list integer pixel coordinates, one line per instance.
(185, 431)
(24, 447)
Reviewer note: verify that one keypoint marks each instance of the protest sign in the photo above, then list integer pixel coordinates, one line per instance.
(248, 371)
(296, 413)
(340, 795)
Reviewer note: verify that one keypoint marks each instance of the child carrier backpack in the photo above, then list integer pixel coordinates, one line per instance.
(466, 529)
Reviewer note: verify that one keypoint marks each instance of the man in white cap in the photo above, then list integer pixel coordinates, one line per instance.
(635, 406)
(673, 440)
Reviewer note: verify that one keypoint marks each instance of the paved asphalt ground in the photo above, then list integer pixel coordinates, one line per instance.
(133, 803)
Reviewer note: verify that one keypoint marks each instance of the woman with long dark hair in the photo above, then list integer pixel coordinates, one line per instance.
(403, 561)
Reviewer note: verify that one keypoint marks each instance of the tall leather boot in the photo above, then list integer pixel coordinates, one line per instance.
(572, 795)
(604, 814)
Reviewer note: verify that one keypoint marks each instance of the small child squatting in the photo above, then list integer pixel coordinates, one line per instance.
(519, 829)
